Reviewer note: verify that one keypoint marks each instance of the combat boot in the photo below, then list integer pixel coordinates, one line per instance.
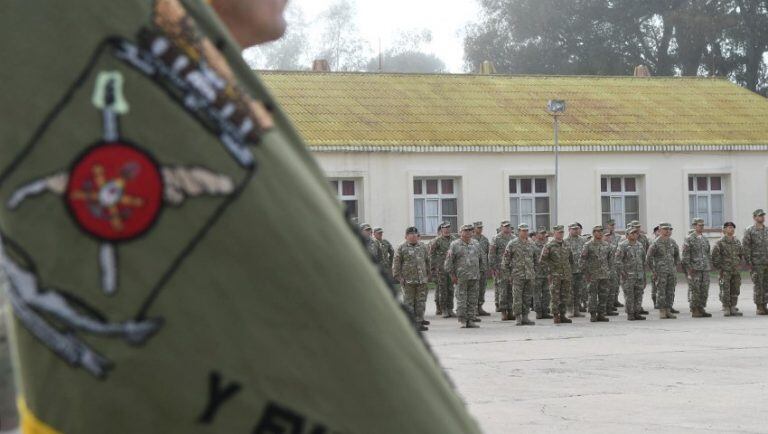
(556, 319)
(761, 310)
(539, 315)
(734, 312)
(617, 304)
(612, 313)
(582, 309)
(481, 312)
(667, 314)
(673, 310)
(424, 322)
(505, 315)
(704, 313)
(438, 311)
(545, 316)
(696, 313)
(643, 312)
(449, 314)
(525, 321)
(593, 317)
(727, 311)
(565, 320)
(602, 318)
(472, 325)
(639, 317)
(422, 328)
(476, 319)
(497, 307)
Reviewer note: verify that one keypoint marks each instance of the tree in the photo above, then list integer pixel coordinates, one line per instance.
(287, 53)
(408, 55)
(342, 45)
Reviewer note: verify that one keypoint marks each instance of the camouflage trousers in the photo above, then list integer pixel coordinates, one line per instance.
(760, 279)
(414, 299)
(653, 292)
(559, 288)
(506, 295)
(541, 298)
(481, 285)
(633, 294)
(466, 299)
(730, 288)
(665, 290)
(613, 289)
(598, 290)
(698, 289)
(498, 285)
(522, 290)
(445, 291)
(577, 290)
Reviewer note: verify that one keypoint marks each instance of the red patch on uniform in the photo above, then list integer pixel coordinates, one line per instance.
(115, 191)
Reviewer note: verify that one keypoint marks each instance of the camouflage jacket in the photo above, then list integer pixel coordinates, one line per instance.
(696, 253)
(411, 263)
(438, 249)
(372, 245)
(558, 258)
(388, 250)
(596, 259)
(485, 247)
(727, 254)
(464, 260)
(575, 244)
(541, 268)
(519, 259)
(496, 249)
(663, 255)
(756, 245)
(630, 259)
(643, 239)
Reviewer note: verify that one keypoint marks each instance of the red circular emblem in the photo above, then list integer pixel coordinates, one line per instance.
(115, 191)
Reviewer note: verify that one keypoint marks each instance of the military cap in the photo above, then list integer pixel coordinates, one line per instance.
(542, 230)
(579, 225)
(412, 230)
(573, 226)
(611, 222)
(558, 228)
(444, 225)
(697, 221)
(505, 224)
(665, 226)
(378, 230)
(597, 228)
(478, 224)
(523, 227)
(731, 224)
(467, 228)
(365, 227)
(632, 231)
(758, 212)
(635, 224)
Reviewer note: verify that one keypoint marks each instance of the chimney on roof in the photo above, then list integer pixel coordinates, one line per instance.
(487, 68)
(642, 71)
(320, 65)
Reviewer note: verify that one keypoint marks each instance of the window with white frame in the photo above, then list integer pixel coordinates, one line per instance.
(706, 199)
(435, 200)
(529, 202)
(620, 199)
(348, 192)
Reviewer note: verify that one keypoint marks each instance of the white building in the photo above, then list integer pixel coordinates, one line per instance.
(408, 149)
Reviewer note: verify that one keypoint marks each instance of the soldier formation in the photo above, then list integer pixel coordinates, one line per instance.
(561, 276)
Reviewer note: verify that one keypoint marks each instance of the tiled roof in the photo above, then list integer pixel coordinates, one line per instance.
(367, 110)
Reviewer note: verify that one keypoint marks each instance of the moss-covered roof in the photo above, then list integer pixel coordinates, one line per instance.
(442, 110)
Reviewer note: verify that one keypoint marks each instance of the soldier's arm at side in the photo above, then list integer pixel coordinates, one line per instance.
(396, 265)
(747, 247)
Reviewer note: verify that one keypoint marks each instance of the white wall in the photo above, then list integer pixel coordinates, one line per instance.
(387, 183)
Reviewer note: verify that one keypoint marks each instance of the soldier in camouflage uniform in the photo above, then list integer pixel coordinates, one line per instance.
(653, 281)
(596, 260)
(438, 249)
(519, 263)
(663, 257)
(630, 263)
(495, 251)
(726, 258)
(696, 266)
(410, 267)
(370, 243)
(646, 243)
(755, 244)
(612, 238)
(463, 263)
(558, 259)
(575, 243)
(387, 252)
(541, 297)
(485, 246)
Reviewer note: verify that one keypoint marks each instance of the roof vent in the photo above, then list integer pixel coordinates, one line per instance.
(320, 65)
(487, 68)
(642, 71)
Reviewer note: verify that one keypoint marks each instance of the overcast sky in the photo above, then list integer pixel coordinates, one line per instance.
(386, 18)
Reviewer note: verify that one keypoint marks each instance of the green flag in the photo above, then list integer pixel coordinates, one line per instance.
(175, 260)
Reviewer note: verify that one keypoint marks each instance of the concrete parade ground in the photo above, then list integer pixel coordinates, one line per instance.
(681, 375)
